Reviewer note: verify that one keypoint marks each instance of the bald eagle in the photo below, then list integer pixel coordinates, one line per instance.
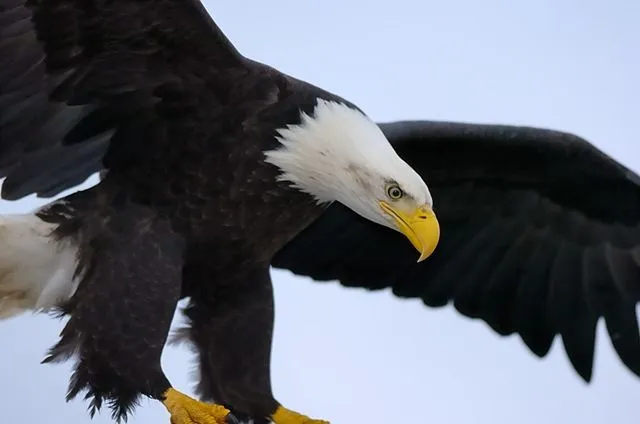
(215, 167)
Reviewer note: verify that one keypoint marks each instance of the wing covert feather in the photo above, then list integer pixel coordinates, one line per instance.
(127, 72)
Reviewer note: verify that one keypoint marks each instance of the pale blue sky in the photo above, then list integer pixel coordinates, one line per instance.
(354, 357)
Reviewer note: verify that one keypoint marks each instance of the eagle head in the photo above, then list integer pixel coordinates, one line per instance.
(338, 154)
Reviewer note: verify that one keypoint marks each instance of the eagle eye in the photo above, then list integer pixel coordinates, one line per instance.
(394, 192)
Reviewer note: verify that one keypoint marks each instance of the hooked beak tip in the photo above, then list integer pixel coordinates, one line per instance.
(420, 226)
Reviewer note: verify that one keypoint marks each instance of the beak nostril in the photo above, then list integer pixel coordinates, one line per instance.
(423, 217)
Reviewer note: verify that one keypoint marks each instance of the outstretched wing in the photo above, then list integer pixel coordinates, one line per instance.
(540, 235)
(81, 79)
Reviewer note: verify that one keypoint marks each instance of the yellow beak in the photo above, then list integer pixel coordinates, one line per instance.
(420, 226)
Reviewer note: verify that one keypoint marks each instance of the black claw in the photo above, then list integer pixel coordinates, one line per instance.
(231, 419)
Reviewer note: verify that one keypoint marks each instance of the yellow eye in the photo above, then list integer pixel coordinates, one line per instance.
(395, 192)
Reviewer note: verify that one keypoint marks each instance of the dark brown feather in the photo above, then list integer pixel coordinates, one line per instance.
(73, 70)
(121, 313)
(235, 370)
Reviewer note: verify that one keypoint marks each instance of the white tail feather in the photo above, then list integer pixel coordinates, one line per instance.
(36, 270)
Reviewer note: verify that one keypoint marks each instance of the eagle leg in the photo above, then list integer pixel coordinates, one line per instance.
(130, 266)
(231, 325)
(186, 410)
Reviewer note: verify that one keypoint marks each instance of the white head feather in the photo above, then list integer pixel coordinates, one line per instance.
(339, 154)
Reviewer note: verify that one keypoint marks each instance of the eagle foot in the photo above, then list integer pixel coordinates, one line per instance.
(186, 410)
(286, 416)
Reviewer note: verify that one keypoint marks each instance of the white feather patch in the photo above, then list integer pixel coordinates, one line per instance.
(36, 270)
(320, 150)
(339, 154)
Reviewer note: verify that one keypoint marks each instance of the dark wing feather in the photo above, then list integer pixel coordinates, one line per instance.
(540, 235)
(81, 79)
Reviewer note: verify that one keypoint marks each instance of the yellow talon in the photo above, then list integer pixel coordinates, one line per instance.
(186, 410)
(286, 416)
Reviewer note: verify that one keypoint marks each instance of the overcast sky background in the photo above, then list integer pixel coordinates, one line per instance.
(354, 357)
